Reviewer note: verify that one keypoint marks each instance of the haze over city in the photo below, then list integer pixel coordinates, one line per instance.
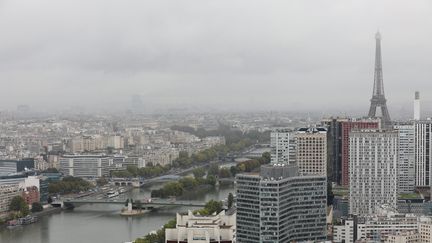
(213, 55)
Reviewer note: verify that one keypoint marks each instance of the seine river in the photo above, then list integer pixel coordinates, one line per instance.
(101, 223)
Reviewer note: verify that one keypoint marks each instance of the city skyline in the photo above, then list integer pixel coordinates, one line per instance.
(206, 56)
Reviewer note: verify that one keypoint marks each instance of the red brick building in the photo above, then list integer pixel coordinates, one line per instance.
(31, 195)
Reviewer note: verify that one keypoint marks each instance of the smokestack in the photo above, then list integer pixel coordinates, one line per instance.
(417, 106)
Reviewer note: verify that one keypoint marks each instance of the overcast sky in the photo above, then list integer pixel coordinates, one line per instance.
(212, 54)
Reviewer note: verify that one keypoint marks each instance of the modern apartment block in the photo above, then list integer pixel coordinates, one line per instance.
(338, 130)
(88, 166)
(279, 205)
(406, 163)
(334, 146)
(282, 145)
(311, 151)
(373, 170)
(346, 128)
(423, 153)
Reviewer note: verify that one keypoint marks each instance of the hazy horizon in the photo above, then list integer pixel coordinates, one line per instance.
(213, 55)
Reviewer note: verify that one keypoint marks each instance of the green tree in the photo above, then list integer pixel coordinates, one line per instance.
(211, 180)
(18, 204)
(230, 200)
(188, 182)
(233, 170)
(36, 207)
(102, 181)
(198, 172)
(266, 158)
(213, 206)
(132, 169)
(224, 173)
(213, 170)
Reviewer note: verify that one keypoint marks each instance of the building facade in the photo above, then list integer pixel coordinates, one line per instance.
(282, 145)
(280, 205)
(190, 228)
(87, 166)
(406, 165)
(423, 153)
(346, 128)
(376, 227)
(9, 188)
(338, 130)
(311, 151)
(373, 170)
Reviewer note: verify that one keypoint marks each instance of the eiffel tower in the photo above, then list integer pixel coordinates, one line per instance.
(378, 98)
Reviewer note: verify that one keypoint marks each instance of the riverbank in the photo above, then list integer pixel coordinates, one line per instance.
(47, 211)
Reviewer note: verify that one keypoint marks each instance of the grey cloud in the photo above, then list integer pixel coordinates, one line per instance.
(278, 54)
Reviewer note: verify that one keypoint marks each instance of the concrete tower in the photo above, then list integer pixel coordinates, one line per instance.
(378, 98)
(417, 106)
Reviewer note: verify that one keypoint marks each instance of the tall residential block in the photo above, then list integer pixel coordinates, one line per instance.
(334, 146)
(311, 151)
(282, 145)
(373, 170)
(338, 130)
(279, 205)
(406, 162)
(346, 128)
(423, 153)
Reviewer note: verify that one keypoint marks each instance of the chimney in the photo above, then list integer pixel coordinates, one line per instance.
(417, 106)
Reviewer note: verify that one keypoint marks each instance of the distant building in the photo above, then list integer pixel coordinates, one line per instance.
(373, 170)
(8, 167)
(311, 151)
(190, 228)
(278, 205)
(115, 142)
(282, 145)
(87, 166)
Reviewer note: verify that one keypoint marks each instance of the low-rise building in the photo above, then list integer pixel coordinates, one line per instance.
(30, 195)
(190, 228)
(87, 166)
(425, 230)
(411, 236)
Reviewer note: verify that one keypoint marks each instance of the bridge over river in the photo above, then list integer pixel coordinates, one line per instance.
(144, 205)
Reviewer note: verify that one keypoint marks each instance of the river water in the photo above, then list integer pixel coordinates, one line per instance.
(101, 223)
